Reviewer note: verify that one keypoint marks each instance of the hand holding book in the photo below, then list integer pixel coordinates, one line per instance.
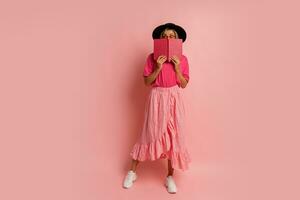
(160, 61)
(176, 62)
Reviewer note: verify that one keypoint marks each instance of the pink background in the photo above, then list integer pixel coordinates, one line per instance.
(72, 98)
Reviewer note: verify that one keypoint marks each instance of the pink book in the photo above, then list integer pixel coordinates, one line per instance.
(167, 47)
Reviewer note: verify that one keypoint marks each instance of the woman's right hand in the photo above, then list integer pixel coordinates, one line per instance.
(160, 61)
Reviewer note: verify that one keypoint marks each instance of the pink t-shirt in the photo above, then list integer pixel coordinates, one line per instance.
(167, 76)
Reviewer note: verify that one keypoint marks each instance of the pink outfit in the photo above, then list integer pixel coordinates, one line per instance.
(163, 133)
(167, 76)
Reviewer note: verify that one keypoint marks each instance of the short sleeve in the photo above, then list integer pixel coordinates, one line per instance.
(185, 68)
(149, 65)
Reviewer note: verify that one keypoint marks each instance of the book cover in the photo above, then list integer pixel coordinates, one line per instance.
(167, 47)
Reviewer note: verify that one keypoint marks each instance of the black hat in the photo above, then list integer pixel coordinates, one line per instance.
(180, 31)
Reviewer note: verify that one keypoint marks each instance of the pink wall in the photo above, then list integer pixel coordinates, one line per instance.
(72, 98)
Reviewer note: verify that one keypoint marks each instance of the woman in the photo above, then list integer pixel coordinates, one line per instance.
(163, 129)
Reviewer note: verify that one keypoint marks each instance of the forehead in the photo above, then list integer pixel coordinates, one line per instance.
(169, 32)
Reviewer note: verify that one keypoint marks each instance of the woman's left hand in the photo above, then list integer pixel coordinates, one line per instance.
(176, 62)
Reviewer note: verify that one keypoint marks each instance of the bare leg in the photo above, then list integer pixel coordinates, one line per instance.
(134, 164)
(170, 168)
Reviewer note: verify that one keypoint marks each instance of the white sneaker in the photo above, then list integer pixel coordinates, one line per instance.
(129, 179)
(170, 184)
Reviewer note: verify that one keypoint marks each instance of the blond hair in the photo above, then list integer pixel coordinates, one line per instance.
(161, 34)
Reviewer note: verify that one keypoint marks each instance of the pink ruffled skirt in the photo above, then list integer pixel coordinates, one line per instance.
(163, 132)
